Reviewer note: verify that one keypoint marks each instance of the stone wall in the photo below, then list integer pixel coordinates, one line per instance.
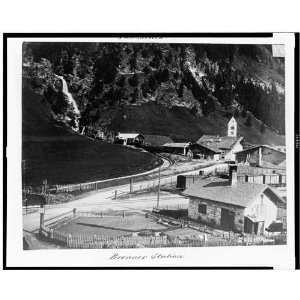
(213, 213)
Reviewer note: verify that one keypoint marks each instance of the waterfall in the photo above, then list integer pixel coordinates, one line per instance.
(71, 101)
(70, 98)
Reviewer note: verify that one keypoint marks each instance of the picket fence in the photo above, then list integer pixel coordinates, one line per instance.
(102, 242)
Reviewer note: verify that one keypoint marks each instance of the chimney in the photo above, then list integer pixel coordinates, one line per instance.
(233, 174)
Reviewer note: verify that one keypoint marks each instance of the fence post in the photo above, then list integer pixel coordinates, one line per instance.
(130, 185)
(264, 179)
(280, 179)
(42, 219)
(69, 237)
(74, 212)
(116, 194)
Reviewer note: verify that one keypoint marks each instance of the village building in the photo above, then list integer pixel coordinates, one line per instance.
(205, 152)
(93, 132)
(129, 139)
(178, 148)
(262, 156)
(232, 128)
(222, 147)
(153, 140)
(234, 206)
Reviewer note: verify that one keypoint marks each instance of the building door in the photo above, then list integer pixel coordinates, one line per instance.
(259, 227)
(227, 219)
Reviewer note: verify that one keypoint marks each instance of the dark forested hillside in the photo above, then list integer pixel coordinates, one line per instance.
(172, 89)
(54, 152)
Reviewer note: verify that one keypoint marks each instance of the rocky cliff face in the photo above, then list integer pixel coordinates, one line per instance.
(117, 86)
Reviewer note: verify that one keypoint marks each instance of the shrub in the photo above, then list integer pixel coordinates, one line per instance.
(248, 122)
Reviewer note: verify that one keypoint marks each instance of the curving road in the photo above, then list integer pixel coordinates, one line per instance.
(106, 198)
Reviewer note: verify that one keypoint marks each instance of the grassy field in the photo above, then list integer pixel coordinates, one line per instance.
(111, 226)
(57, 154)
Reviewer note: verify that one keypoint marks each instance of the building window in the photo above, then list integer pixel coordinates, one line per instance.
(202, 209)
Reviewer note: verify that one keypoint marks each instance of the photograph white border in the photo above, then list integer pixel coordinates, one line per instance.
(282, 256)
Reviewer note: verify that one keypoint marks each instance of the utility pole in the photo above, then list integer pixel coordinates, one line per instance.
(158, 188)
(131, 186)
(44, 191)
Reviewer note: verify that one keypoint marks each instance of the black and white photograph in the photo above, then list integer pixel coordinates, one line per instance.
(154, 144)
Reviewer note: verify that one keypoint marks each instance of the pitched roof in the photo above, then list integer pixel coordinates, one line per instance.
(219, 190)
(177, 145)
(216, 142)
(128, 135)
(261, 146)
(207, 147)
(156, 140)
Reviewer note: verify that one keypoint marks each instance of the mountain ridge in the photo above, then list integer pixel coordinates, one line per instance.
(192, 84)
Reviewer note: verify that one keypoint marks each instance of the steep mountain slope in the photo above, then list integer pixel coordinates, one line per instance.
(55, 153)
(174, 89)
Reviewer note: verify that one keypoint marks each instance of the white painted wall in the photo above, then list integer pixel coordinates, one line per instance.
(232, 127)
(231, 154)
(263, 209)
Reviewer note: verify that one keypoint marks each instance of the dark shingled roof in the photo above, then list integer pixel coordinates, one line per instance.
(260, 146)
(218, 142)
(240, 194)
(156, 140)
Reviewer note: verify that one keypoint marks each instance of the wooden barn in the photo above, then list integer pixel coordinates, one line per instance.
(129, 139)
(178, 148)
(262, 156)
(234, 206)
(153, 140)
(224, 147)
(205, 152)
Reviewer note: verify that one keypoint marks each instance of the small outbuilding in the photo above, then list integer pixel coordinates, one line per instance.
(178, 148)
(262, 156)
(232, 205)
(153, 140)
(129, 139)
(224, 147)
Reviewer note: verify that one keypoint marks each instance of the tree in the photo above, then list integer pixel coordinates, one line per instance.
(180, 90)
(244, 113)
(134, 80)
(135, 95)
(133, 62)
(121, 81)
(145, 52)
(248, 122)
(262, 128)
(236, 113)
(146, 70)
(145, 89)
(155, 62)
(106, 67)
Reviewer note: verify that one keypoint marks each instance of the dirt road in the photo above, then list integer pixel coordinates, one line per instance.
(108, 198)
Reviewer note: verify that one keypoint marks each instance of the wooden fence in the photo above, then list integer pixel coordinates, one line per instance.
(94, 241)
(271, 179)
(103, 242)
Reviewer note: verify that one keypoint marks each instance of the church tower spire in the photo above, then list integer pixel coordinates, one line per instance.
(232, 128)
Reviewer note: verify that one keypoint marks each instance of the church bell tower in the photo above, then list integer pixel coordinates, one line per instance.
(232, 128)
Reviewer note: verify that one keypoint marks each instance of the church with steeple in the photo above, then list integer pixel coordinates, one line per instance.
(232, 128)
(223, 147)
